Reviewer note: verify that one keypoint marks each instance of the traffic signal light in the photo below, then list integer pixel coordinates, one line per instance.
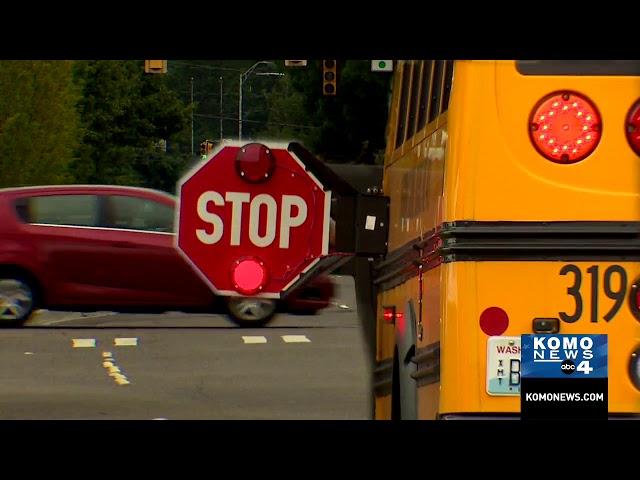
(295, 63)
(329, 74)
(206, 147)
(155, 66)
(382, 65)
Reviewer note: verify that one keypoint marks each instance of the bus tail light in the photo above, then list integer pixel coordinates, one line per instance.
(565, 127)
(634, 368)
(249, 275)
(633, 127)
(255, 163)
(494, 321)
(391, 315)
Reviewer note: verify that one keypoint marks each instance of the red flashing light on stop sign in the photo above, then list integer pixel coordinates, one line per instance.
(249, 275)
(255, 163)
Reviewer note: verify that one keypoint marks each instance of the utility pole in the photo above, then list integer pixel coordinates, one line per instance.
(221, 109)
(240, 107)
(192, 139)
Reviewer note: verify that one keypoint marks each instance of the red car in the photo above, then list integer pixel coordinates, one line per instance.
(86, 248)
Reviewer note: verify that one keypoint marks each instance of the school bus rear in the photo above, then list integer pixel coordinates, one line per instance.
(541, 223)
(530, 224)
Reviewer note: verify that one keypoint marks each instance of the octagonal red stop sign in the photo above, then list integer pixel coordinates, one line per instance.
(251, 220)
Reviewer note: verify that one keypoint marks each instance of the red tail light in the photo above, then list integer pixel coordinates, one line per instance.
(389, 314)
(249, 276)
(494, 321)
(255, 163)
(633, 127)
(565, 127)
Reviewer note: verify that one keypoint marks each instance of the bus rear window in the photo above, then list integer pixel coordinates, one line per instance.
(578, 67)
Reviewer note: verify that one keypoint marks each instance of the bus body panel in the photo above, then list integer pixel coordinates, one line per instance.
(526, 290)
(495, 173)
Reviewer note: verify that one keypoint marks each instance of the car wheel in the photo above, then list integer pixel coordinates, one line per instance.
(251, 312)
(17, 301)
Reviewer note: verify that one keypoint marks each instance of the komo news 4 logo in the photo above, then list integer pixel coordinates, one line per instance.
(557, 356)
(564, 377)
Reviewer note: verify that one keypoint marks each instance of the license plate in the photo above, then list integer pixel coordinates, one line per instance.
(503, 366)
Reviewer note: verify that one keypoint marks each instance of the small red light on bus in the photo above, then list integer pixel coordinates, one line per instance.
(565, 127)
(255, 163)
(249, 276)
(389, 314)
(632, 127)
(494, 321)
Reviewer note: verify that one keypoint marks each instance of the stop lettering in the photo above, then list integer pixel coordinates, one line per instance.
(286, 219)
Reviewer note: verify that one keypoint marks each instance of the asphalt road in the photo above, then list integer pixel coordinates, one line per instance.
(66, 365)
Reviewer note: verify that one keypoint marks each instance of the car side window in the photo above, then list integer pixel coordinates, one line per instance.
(73, 210)
(134, 213)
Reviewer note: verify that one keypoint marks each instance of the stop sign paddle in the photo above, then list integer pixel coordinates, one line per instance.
(252, 219)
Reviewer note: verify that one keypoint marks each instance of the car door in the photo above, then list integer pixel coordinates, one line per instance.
(149, 269)
(71, 247)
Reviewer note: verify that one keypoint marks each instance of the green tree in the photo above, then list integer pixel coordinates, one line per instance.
(38, 122)
(131, 121)
(287, 119)
(347, 127)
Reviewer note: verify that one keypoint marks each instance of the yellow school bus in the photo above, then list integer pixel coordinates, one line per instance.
(515, 209)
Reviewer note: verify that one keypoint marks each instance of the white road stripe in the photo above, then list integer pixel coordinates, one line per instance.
(295, 338)
(83, 342)
(254, 339)
(125, 342)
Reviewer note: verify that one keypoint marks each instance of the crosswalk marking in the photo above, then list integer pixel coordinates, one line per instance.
(83, 342)
(295, 339)
(126, 342)
(254, 339)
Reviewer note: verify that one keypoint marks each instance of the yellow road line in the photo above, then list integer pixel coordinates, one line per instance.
(113, 370)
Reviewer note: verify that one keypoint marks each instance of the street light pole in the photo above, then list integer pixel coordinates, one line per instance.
(221, 109)
(192, 139)
(240, 108)
(243, 77)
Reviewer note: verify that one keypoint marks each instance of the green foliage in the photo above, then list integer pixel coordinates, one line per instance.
(38, 122)
(125, 114)
(352, 123)
(349, 127)
(109, 122)
(287, 118)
